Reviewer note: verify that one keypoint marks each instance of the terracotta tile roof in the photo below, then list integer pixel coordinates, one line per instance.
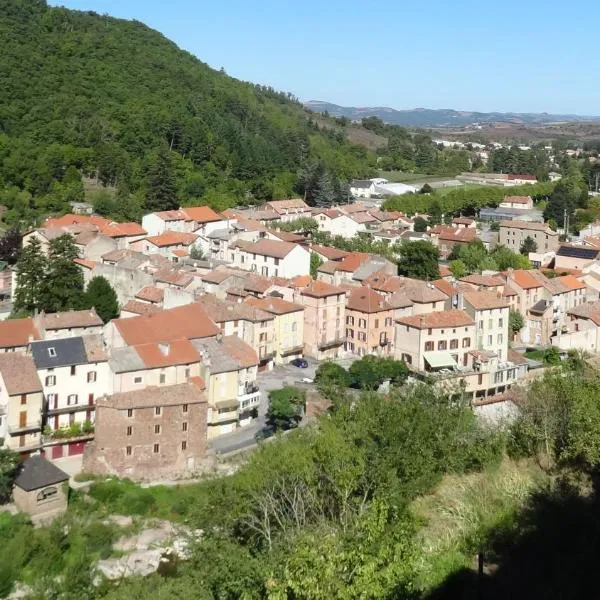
(69, 319)
(287, 236)
(590, 311)
(528, 226)
(462, 221)
(509, 291)
(94, 348)
(332, 213)
(240, 351)
(85, 237)
(423, 293)
(218, 276)
(190, 321)
(362, 218)
(437, 320)
(169, 354)
(483, 280)
(571, 282)
(172, 238)
(352, 261)
(83, 262)
(201, 214)
(115, 230)
(328, 252)
(172, 215)
(272, 248)
(399, 300)
(446, 287)
(71, 219)
(181, 252)
(222, 311)
(525, 279)
(151, 294)
(166, 395)
(461, 234)
(351, 209)
(17, 332)
(593, 240)
(321, 289)
(178, 278)
(117, 255)
(281, 206)
(445, 271)
(19, 374)
(275, 306)
(516, 357)
(330, 267)
(140, 308)
(258, 284)
(485, 300)
(300, 281)
(198, 382)
(366, 300)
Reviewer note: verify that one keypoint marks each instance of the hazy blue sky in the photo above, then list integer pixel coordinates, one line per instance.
(524, 55)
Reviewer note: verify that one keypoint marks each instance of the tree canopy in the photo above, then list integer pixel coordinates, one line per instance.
(419, 260)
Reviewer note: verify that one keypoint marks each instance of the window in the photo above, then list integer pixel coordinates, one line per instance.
(382, 338)
(157, 411)
(453, 344)
(434, 305)
(52, 352)
(362, 323)
(129, 430)
(500, 338)
(91, 376)
(376, 323)
(187, 373)
(276, 262)
(183, 445)
(465, 359)
(480, 324)
(350, 333)
(185, 408)
(466, 342)
(137, 380)
(184, 426)
(157, 429)
(490, 340)
(428, 346)
(349, 320)
(130, 412)
(388, 322)
(128, 450)
(50, 380)
(294, 326)
(72, 399)
(362, 336)
(442, 345)
(73, 369)
(162, 378)
(500, 322)
(429, 331)
(156, 448)
(479, 379)
(407, 358)
(47, 494)
(23, 399)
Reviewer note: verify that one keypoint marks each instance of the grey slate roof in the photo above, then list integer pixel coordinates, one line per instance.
(59, 353)
(36, 472)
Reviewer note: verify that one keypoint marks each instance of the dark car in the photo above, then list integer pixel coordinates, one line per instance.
(300, 363)
(264, 433)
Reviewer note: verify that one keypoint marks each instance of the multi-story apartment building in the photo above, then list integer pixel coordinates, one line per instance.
(229, 367)
(324, 319)
(288, 321)
(149, 433)
(490, 312)
(271, 258)
(514, 233)
(369, 323)
(21, 403)
(74, 372)
(288, 210)
(439, 340)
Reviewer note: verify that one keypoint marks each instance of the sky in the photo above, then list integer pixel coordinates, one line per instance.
(515, 55)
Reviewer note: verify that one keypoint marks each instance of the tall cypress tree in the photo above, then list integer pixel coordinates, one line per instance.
(63, 285)
(31, 269)
(160, 192)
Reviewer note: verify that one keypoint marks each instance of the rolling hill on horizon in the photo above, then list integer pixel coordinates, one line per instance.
(426, 117)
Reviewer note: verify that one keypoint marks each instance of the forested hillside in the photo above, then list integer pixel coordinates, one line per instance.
(112, 100)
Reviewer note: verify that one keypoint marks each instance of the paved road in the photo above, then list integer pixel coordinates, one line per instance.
(280, 376)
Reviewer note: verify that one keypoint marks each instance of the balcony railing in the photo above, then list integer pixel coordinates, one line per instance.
(30, 426)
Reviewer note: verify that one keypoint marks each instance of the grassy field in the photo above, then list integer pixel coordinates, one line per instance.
(400, 177)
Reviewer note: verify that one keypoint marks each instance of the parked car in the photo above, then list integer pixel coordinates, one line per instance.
(301, 363)
(264, 433)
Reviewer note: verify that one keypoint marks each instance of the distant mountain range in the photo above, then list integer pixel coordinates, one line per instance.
(426, 117)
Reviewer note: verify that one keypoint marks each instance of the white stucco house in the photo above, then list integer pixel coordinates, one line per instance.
(272, 258)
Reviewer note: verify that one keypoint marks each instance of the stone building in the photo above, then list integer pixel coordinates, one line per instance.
(41, 490)
(150, 433)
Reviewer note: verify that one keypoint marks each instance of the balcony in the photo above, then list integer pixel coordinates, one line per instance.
(24, 428)
(325, 345)
(291, 350)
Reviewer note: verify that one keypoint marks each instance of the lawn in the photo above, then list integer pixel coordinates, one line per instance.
(400, 177)
(535, 355)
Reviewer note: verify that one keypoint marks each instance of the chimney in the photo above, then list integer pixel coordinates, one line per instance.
(165, 349)
(219, 337)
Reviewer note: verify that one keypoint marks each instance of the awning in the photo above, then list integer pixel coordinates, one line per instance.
(440, 360)
(233, 403)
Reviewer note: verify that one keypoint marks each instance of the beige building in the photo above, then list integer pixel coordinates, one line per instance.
(150, 433)
(514, 233)
(490, 312)
(41, 490)
(288, 326)
(21, 404)
(575, 257)
(439, 340)
(229, 368)
(69, 323)
(324, 319)
(369, 323)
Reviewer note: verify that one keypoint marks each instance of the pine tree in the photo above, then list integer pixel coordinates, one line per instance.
(324, 194)
(160, 193)
(63, 284)
(101, 296)
(31, 268)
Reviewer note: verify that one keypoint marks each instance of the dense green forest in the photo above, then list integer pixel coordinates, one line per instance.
(114, 101)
